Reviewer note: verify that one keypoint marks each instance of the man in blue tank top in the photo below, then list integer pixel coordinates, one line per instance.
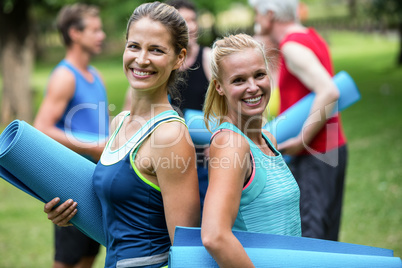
(74, 112)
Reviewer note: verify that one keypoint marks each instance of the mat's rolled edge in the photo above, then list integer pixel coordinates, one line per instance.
(9, 135)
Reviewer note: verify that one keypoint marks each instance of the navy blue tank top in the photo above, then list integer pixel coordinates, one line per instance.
(132, 207)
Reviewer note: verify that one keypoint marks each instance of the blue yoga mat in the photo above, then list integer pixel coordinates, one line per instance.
(198, 131)
(266, 250)
(290, 122)
(43, 168)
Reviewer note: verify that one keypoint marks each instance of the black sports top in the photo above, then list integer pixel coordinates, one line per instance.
(193, 92)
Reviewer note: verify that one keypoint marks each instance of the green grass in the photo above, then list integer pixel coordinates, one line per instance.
(372, 212)
(373, 202)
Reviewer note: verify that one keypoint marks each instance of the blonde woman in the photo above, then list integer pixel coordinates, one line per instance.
(250, 186)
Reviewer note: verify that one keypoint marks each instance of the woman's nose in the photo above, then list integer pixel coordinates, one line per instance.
(252, 86)
(142, 58)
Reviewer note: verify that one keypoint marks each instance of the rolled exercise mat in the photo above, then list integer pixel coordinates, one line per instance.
(196, 126)
(44, 168)
(266, 250)
(183, 257)
(290, 123)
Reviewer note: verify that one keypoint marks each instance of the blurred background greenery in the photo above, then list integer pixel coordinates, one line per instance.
(364, 37)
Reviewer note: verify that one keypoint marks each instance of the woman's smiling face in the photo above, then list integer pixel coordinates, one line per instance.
(245, 83)
(149, 56)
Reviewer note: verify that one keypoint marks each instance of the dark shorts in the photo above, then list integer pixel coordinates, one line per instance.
(321, 181)
(71, 245)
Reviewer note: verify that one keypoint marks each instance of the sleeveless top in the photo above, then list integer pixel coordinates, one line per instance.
(291, 90)
(192, 95)
(132, 207)
(270, 200)
(86, 116)
(193, 91)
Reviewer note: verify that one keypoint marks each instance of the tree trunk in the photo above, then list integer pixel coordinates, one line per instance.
(399, 61)
(16, 55)
(352, 8)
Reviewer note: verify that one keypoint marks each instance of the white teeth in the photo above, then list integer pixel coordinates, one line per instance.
(253, 100)
(141, 73)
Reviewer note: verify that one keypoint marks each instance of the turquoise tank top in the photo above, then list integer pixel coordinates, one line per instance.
(270, 200)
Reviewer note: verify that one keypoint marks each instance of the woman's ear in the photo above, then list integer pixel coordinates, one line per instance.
(180, 59)
(218, 88)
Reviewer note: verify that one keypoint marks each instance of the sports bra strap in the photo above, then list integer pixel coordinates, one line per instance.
(151, 128)
(110, 157)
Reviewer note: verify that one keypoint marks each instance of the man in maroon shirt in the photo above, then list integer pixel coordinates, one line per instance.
(319, 151)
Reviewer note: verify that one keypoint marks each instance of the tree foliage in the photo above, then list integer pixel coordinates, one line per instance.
(386, 8)
(390, 13)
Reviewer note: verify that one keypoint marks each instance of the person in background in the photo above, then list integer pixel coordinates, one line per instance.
(250, 186)
(75, 104)
(146, 179)
(196, 64)
(193, 91)
(319, 151)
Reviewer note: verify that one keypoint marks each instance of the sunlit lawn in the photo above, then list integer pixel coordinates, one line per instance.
(373, 202)
(372, 212)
